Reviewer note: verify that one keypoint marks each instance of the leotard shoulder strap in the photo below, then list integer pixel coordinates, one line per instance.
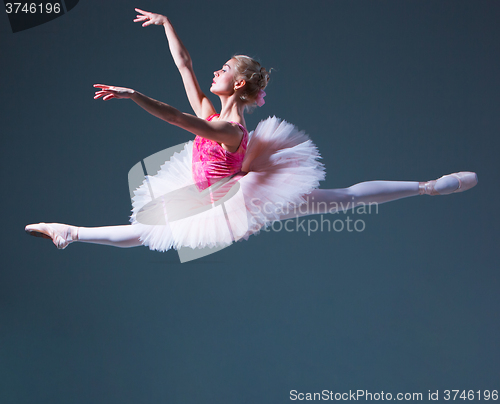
(245, 132)
(212, 117)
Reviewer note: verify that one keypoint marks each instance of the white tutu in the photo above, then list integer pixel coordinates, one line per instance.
(281, 164)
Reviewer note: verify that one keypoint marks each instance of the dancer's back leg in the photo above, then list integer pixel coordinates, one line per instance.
(321, 201)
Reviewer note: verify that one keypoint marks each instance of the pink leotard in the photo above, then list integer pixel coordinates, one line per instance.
(211, 162)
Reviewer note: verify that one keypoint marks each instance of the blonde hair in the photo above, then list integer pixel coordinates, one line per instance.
(255, 76)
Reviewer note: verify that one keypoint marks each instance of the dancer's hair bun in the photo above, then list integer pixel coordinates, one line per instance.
(256, 77)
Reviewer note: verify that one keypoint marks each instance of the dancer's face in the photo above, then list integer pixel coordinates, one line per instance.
(224, 81)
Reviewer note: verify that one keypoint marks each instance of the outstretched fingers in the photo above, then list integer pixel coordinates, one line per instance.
(142, 11)
(105, 94)
(148, 18)
(102, 86)
(99, 94)
(104, 90)
(108, 92)
(145, 16)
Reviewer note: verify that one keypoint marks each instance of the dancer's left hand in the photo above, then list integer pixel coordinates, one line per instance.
(109, 92)
(148, 18)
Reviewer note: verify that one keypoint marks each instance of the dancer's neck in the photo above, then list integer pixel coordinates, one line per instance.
(232, 110)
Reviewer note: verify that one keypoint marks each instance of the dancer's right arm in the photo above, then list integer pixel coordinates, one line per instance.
(226, 133)
(200, 103)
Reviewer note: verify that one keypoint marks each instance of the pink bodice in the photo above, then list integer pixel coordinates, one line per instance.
(211, 162)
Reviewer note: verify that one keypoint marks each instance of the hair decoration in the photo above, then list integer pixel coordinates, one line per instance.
(260, 98)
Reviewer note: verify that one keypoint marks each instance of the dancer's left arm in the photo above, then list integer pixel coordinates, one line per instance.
(219, 131)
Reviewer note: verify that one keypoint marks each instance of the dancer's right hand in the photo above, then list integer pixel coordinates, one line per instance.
(150, 18)
(108, 92)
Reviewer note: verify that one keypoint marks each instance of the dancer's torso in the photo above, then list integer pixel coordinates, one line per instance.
(211, 162)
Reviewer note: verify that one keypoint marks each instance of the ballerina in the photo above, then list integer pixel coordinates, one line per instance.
(228, 184)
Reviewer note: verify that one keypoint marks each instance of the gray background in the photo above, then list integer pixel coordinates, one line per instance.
(404, 90)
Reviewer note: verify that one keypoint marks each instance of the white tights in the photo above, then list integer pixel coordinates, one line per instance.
(321, 201)
(119, 236)
(318, 201)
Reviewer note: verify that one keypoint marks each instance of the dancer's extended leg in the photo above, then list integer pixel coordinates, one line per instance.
(62, 234)
(118, 236)
(322, 201)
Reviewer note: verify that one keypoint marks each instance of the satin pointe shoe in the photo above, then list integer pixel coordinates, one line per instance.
(60, 234)
(466, 181)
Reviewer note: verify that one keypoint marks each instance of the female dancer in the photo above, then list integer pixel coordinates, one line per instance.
(225, 186)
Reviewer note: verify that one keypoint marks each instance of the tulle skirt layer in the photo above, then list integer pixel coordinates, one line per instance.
(280, 167)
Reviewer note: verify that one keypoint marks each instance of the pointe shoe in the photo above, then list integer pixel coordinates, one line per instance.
(60, 234)
(466, 180)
